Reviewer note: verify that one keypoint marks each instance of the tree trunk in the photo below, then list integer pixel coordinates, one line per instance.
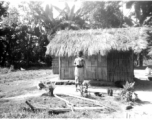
(3, 60)
(140, 60)
(27, 57)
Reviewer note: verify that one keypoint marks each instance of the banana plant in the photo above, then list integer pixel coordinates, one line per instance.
(71, 19)
(46, 18)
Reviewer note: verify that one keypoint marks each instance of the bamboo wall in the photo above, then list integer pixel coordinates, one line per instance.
(96, 68)
(55, 65)
(120, 66)
(116, 66)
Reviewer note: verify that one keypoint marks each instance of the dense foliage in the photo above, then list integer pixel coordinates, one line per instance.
(25, 31)
(142, 15)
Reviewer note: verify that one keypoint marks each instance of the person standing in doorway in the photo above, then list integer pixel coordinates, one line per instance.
(79, 64)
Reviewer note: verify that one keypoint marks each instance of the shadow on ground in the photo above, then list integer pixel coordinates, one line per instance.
(143, 102)
(143, 67)
(142, 85)
(39, 68)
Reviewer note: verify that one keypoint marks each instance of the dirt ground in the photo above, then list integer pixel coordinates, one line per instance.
(18, 86)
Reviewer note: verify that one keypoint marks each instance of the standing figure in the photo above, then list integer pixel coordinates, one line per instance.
(79, 64)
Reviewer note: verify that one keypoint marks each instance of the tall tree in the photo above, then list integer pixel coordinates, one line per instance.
(24, 42)
(143, 15)
(38, 24)
(43, 18)
(105, 14)
(71, 18)
(3, 31)
(102, 14)
(11, 22)
(3, 9)
(142, 11)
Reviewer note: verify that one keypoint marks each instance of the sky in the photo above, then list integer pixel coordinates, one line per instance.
(60, 4)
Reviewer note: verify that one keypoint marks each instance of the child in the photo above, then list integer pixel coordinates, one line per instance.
(79, 64)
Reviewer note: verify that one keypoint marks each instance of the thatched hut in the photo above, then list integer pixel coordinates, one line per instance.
(108, 52)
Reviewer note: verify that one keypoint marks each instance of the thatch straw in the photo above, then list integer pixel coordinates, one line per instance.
(91, 42)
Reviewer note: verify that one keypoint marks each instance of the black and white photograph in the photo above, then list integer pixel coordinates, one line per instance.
(75, 59)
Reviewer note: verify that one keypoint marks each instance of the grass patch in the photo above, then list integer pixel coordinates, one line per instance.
(19, 109)
(23, 75)
(4, 70)
(10, 109)
(20, 92)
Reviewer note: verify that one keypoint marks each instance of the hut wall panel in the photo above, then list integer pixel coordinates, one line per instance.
(95, 68)
(70, 62)
(120, 66)
(62, 73)
(64, 62)
(93, 71)
(55, 65)
(71, 72)
(101, 61)
(66, 73)
(104, 69)
(101, 73)
(85, 73)
(88, 63)
(93, 61)
(89, 73)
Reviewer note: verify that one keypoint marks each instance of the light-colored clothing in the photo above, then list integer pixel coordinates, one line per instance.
(79, 75)
(79, 70)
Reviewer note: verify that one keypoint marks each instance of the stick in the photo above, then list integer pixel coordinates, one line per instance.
(31, 106)
(60, 110)
(88, 108)
(42, 107)
(95, 102)
(66, 101)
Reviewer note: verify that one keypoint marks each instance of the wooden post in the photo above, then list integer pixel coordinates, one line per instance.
(59, 67)
(110, 92)
(55, 65)
(107, 60)
(107, 68)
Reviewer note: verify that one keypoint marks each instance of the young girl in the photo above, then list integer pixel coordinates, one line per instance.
(79, 64)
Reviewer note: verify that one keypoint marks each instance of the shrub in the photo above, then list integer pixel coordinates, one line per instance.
(51, 88)
(127, 92)
(84, 89)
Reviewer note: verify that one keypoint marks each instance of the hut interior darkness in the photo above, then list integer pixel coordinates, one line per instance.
(108, 52)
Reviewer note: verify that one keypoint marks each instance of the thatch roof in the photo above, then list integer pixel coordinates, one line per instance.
(69, 42)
